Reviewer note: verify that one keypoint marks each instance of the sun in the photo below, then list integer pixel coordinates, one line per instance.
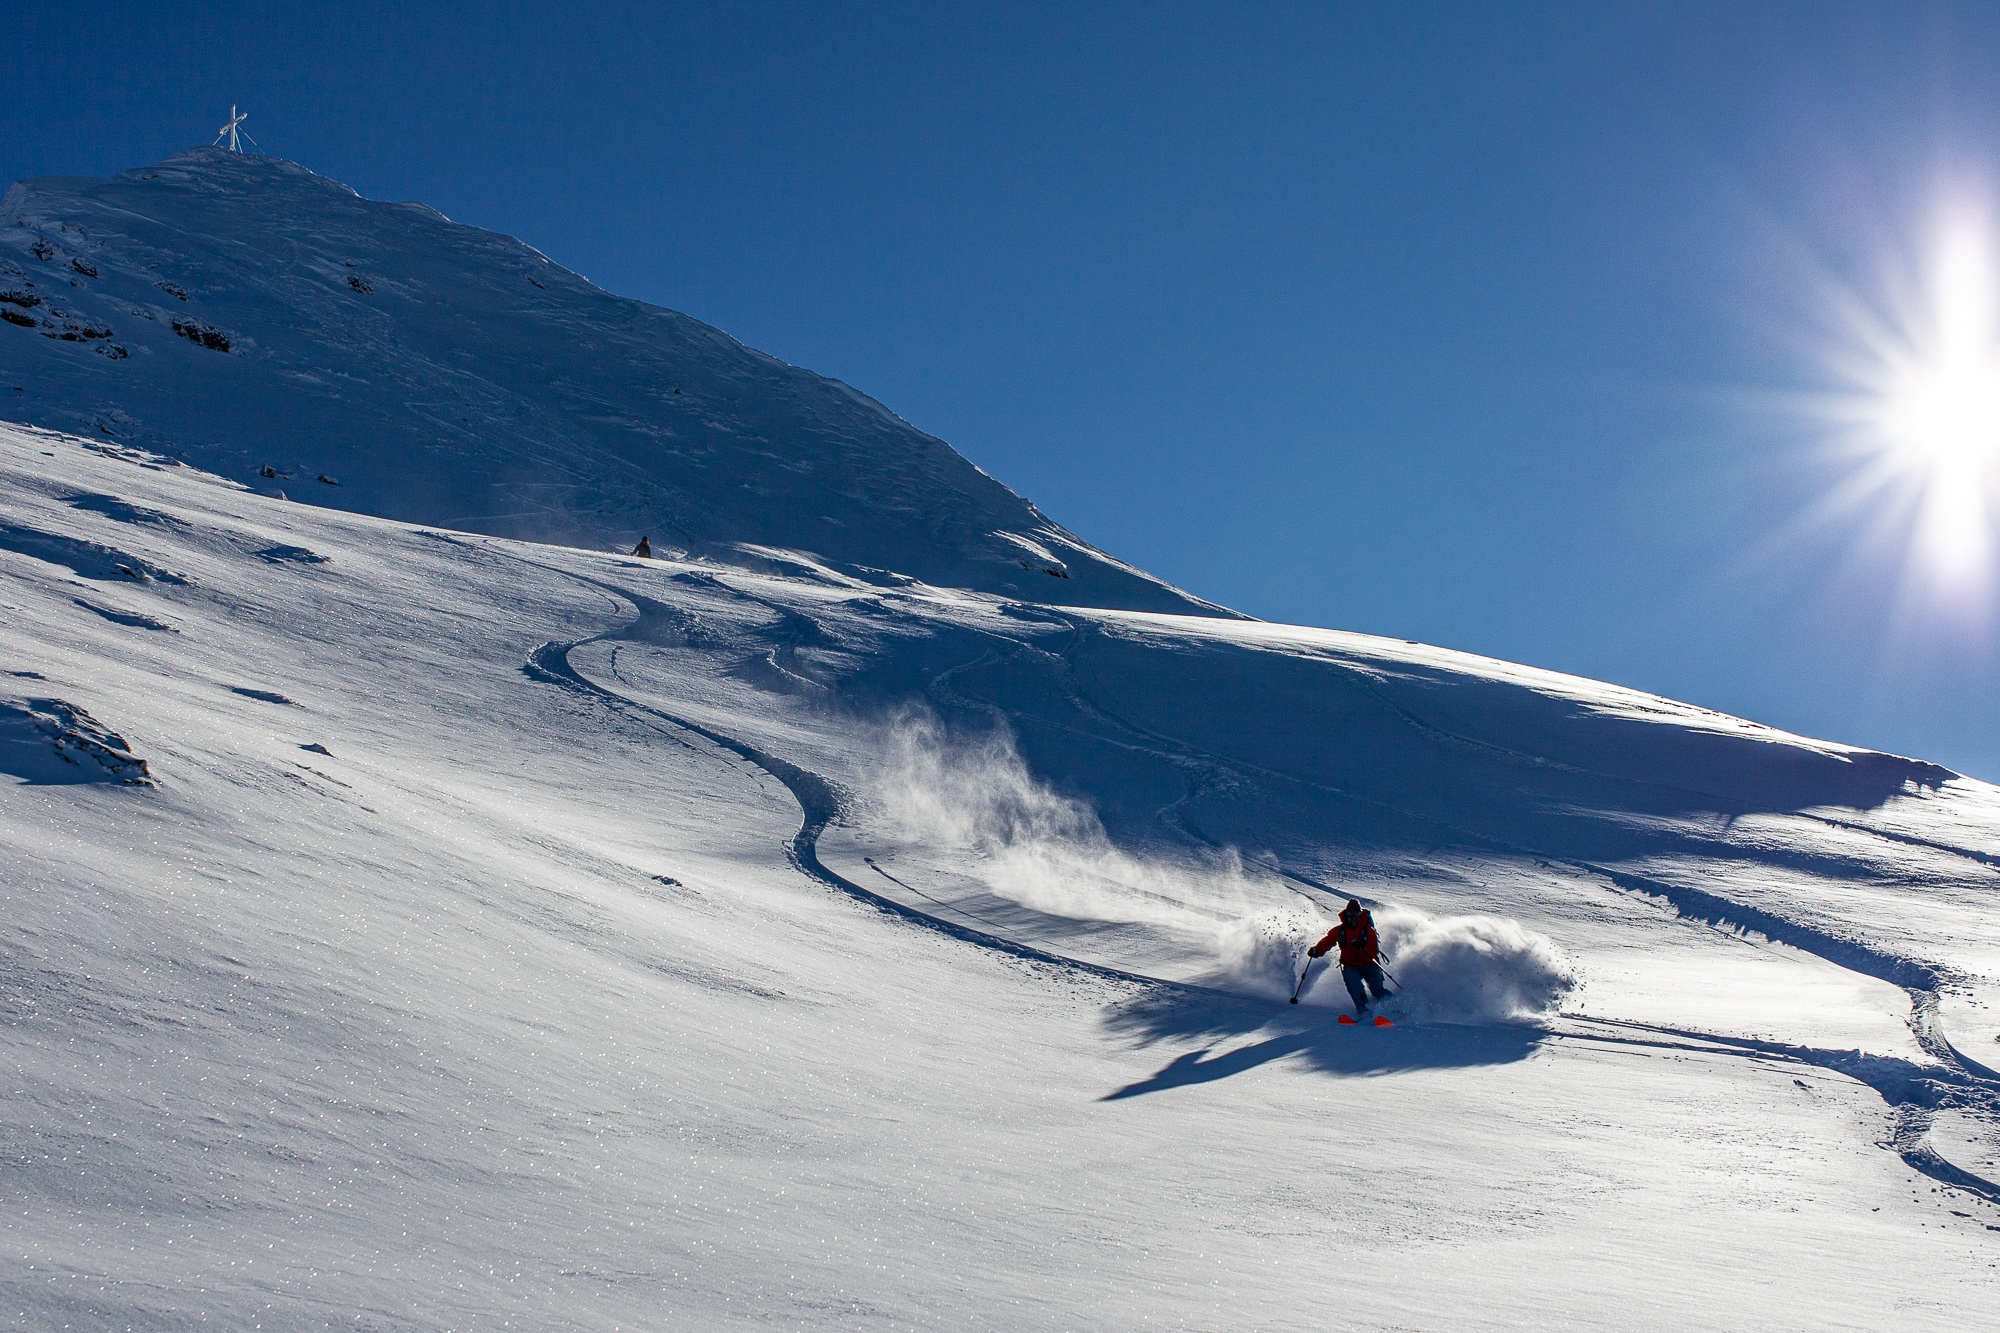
(1937, 417)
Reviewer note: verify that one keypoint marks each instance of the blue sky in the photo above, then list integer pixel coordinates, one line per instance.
(1492, 326)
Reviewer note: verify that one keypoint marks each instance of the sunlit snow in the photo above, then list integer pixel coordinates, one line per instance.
(410, 926)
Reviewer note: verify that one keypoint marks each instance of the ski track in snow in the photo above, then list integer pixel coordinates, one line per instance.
(1139, 1006)
(818, 799)
(1914, 1093)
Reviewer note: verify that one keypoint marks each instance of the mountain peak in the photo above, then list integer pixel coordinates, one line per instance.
(261, 321)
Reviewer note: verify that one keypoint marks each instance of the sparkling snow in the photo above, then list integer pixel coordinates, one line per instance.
(880, 911)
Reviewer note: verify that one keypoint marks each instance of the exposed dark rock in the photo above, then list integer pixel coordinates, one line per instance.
(213, 339)
(297, 555)
(54, 741)
(89, 559)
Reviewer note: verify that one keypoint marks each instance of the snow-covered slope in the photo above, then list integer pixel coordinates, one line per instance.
(245, 314)
(847, 922)
(416, 930)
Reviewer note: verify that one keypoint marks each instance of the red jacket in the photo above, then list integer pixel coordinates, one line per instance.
(1358, 947)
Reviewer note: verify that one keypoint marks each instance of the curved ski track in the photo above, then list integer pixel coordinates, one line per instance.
(1913, 1093)
(819, 800)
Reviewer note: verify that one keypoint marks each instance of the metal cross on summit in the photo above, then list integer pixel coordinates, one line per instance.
(235, 119)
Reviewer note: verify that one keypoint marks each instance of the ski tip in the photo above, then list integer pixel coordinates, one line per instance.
(1382, 1022)
(1347, 1020)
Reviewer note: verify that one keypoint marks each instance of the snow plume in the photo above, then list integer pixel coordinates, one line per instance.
(1454, 969)
(1047, 851)
(1262, 954)
(1472, 969)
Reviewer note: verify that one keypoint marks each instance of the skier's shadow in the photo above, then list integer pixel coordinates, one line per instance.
(1312, 1033)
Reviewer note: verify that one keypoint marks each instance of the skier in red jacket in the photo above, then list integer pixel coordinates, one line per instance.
(1360, 955)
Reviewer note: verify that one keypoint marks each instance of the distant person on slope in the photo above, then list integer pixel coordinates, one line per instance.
(644, 550)
(1360, 955)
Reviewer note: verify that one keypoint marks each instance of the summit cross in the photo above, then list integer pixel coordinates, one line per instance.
(235, 119)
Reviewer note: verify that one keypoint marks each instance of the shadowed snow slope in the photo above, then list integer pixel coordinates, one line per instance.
(244, 313)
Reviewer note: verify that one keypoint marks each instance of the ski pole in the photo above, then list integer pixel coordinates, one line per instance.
(1302, 979)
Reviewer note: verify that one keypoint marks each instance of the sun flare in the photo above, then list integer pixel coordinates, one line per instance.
(1938, 421)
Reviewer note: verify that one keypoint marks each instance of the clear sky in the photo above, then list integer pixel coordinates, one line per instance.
(1541, 331)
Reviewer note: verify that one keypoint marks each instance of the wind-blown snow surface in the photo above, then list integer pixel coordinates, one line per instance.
(501, 935)
(272, 326)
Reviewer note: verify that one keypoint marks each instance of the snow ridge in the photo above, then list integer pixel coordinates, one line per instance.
(269, 325)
